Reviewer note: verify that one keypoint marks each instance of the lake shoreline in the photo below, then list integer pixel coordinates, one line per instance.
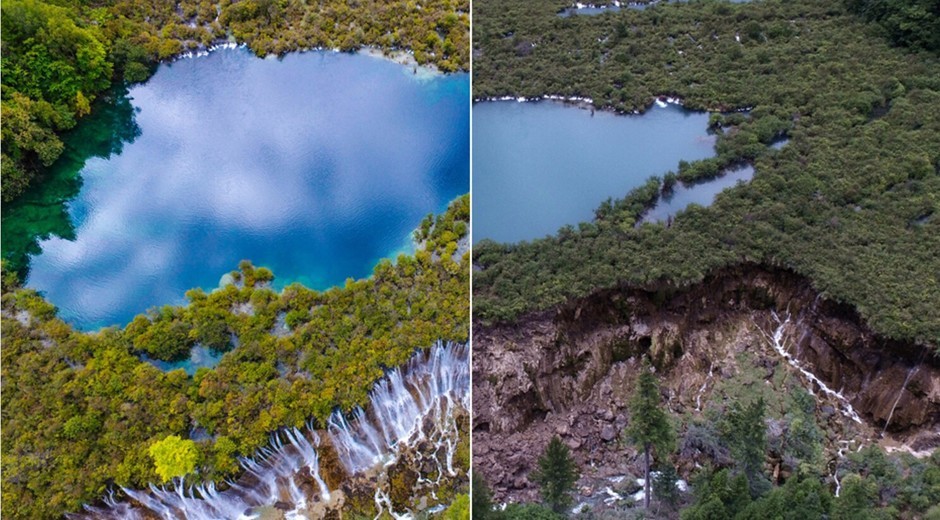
(588, 103)
(401, 56)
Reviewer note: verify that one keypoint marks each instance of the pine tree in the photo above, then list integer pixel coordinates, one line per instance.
(556, 475)
(649, 426)
(745, 431)
(482, 502)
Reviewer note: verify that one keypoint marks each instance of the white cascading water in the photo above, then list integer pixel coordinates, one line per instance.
(777, 342)
(431, 388)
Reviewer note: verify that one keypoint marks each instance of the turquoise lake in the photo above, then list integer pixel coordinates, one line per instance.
(315, 165)
(539, 166)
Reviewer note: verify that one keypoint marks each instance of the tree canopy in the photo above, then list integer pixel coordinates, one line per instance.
(173, 457)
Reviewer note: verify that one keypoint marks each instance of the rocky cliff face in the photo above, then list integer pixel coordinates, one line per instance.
(570, 372)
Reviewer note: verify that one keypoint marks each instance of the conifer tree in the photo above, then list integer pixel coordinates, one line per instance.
(649, 426)
(482, 502)
(745, 433)
(556, 475)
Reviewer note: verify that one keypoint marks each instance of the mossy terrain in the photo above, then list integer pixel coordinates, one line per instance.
(80, 410)
(851, 202)
(59, 56)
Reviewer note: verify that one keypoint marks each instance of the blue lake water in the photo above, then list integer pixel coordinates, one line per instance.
(702, 193)
(539, 166)
(316, 166)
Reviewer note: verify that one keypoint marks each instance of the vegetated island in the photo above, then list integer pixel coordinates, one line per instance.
(82, 411)
(792, 328)
(58, 56)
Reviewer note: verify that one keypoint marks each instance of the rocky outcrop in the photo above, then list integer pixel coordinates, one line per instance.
(570, 372)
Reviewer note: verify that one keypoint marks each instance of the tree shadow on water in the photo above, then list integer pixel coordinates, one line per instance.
(43, 211)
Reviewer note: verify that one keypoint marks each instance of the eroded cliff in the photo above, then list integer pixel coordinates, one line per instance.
(742, 330)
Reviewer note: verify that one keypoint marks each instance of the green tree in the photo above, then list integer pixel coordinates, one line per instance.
(556, 475)
(529, 512)
(664, 485)
(482, 498)
(459, 510)
(745, 433)
(856, 500)
(718, 496)
(649, 426)
(173, 456)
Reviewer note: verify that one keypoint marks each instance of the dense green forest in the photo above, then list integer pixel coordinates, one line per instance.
(852, 201)
(80, 411)
(57, 56)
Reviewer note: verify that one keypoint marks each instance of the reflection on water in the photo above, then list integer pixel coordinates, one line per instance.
(315, 165)
(43, 211)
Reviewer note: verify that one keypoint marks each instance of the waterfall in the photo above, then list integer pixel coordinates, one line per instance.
(400, 404)
(777, 342)
(698, 397)
(907, 379)
(413, 404)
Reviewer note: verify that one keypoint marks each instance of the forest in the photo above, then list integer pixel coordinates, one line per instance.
(758, 450)
(82, 410)
(852, 202)
(57, 57)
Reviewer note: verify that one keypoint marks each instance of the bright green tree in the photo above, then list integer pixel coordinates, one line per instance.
(649, 426)
(173, 456)
(556, 475)
(460, 509)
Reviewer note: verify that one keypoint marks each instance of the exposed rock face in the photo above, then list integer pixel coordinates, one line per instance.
(570, 372)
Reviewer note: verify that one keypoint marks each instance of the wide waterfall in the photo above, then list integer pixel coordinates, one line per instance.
(429, 389)
(414, 404)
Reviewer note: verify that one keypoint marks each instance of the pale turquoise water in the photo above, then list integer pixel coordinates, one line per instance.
(540, 166)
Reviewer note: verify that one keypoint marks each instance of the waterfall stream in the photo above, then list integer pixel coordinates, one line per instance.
(777, 341)
(414, 404)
